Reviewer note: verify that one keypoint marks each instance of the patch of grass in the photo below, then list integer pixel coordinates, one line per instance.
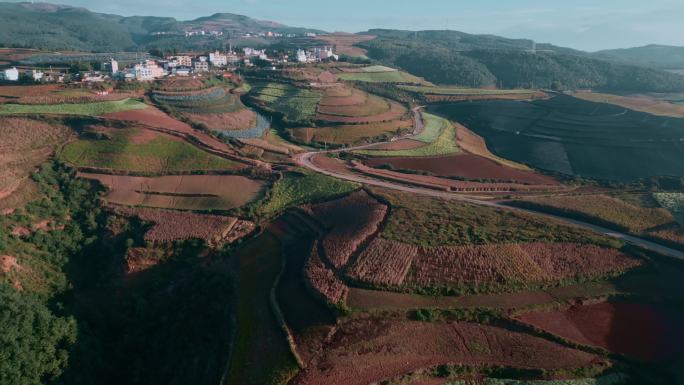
(392, 76)
(299, 188)
(444, 144)
(434, 126)
(161, 154)
(86, 109)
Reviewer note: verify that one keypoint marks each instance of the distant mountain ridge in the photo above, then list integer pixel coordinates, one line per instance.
(654, 55)
(62, 27)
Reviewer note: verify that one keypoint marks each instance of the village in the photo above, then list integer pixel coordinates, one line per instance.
(186, 64)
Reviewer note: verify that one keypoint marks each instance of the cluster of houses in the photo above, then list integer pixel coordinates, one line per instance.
(177, 65)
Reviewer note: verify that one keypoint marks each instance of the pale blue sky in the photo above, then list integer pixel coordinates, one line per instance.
(583, 24)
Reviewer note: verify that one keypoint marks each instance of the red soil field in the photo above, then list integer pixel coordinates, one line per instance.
(240, 120)
(322, 280)
(465, 165)
(643, 331)
(328, 163)
(384, 262)
(351, 220)
(515, 263)
(442, 184)
(369, 350)
(153, 117)
(174, 225)
(342, 96)
(360, 104)
(183, 192)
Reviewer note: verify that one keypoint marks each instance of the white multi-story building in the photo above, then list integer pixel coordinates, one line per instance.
(217, 59)
(201, 64)
(301, 56)
(251, 52)
(114, 66)
(11, 74)
(148, 70)
(184, 61)
(35, 75)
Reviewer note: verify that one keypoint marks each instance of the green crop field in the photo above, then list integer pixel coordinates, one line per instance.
(296, 104)
(160, 154)
(297, 189)
(87, 109)
(443, 144)
(577, 137)
(390, 76)
(462, 91)
(434, 126)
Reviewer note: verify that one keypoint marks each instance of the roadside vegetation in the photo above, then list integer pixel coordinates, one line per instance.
(297, 188)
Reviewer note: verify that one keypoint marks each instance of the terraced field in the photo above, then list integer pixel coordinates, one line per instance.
(577, 137)
(295, 105)
(189, 192)
(215, 108)
(141, 150)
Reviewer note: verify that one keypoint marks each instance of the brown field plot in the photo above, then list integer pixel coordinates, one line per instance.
(187, 192)
(368, 350)
(643, 331)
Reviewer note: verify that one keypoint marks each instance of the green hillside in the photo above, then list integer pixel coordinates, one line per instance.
(58, 27)
(660, 56)
(456, 58)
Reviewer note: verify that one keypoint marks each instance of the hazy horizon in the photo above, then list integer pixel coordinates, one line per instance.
(580, 24)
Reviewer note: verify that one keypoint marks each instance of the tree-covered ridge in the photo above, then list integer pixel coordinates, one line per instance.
(449, 57)
(57, 27)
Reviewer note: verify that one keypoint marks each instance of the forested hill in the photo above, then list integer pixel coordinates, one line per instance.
(661, 56)
(59, 27)
(450, 57)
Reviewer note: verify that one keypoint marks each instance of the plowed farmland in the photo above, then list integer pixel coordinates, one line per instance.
(351, 221)
(323, 280)
(188, 192)
(508, 264)
(464, 165)
(369, 350)
(169, 226)
(216, 108)
(643, 331)
(577, 137)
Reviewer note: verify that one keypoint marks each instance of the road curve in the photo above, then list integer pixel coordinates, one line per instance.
(304, 160)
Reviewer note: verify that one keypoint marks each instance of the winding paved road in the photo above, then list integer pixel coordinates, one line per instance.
(305, 161)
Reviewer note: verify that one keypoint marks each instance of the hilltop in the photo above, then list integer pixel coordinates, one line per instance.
(654, 55)
(61, 27)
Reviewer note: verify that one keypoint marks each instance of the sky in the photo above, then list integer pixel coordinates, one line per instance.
(583, 24)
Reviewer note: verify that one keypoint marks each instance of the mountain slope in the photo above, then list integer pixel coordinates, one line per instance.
(58, 27)
(450, 57)
(660, 56)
